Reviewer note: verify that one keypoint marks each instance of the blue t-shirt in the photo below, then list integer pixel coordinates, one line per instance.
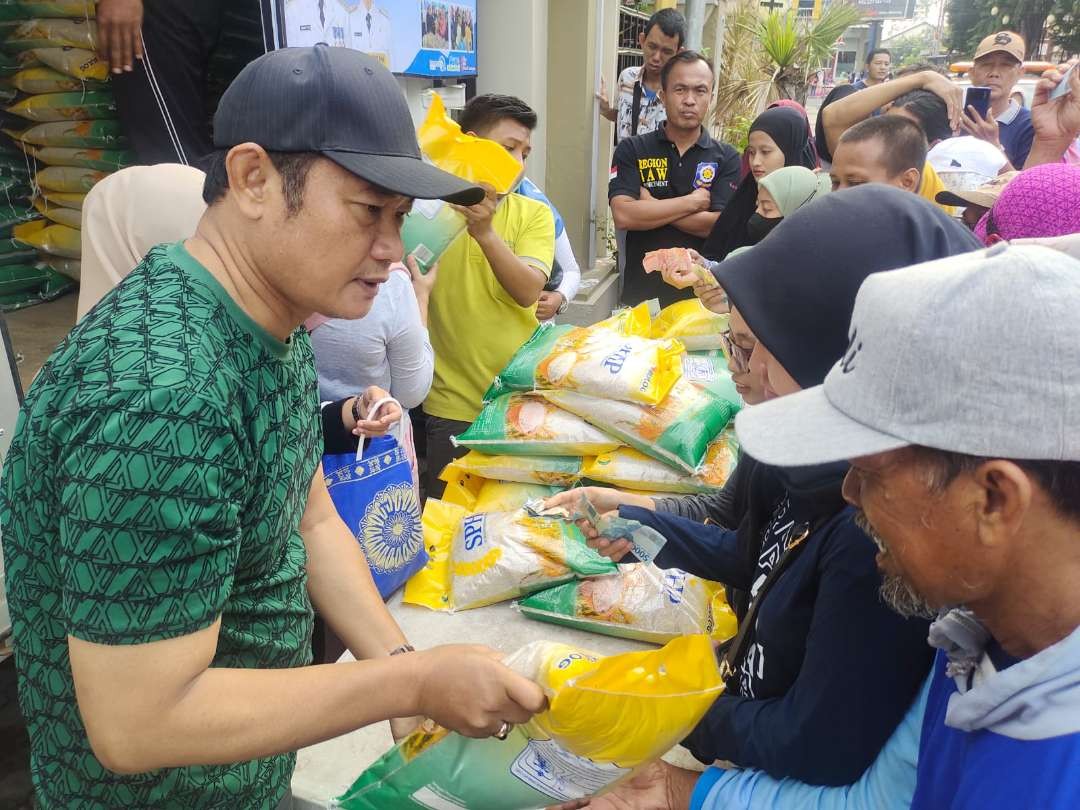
(982, 770)
(1016, 132)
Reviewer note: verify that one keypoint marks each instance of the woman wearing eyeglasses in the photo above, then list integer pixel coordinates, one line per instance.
(822, 671)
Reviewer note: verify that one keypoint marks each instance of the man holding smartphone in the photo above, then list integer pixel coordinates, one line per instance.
(999, 63)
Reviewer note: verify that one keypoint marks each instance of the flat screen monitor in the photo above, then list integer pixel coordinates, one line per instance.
(432, 38)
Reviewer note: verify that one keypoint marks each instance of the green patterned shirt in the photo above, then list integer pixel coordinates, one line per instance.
(155, 482)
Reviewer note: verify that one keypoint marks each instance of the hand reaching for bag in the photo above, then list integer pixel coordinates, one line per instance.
(658, 786)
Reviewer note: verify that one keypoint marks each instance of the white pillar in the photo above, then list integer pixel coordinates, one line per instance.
(512, 58)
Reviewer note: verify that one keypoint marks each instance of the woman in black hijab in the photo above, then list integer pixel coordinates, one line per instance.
(778, 137)
(826, 670)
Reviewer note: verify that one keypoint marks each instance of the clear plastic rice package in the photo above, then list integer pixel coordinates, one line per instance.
(484, 495)
(72, 268)
(480, 558)
(677, 431)
(66, 106)
(433, 225)
(627, 468)
(44, 79)
(69, 179)
(529, 425)
(107, 160)
(691, 324)
(612, 359)
(639, 602)
(104, 134)
(53, 33)
(78, 63)
(606, 716)
(561, 471)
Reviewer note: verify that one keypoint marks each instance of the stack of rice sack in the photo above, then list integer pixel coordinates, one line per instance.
(619, 403)
(61, 117)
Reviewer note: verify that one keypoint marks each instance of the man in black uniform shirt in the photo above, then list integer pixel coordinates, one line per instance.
(668, 187)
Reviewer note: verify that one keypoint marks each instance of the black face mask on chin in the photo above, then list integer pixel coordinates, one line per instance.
(758, 227)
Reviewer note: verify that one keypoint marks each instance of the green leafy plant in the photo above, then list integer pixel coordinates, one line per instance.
(771, 57)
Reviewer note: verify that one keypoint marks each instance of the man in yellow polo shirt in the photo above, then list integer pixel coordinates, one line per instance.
(483, 306)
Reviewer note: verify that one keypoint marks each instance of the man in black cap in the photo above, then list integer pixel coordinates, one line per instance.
(166, 524)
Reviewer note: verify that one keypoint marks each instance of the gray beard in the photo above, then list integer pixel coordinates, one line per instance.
(895, 592)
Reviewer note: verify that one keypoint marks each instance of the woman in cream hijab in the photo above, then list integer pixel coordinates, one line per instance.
(128, 213)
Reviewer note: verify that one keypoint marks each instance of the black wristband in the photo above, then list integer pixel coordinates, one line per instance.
(336, 437)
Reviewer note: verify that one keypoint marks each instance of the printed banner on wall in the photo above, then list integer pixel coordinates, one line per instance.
(434, 38)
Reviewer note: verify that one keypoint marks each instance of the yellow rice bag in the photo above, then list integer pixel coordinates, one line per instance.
(72, 106)
(49, 33)
(482, 495)
(605, 717)
(76, 62)
(58, 213)
(67, 199)
(482, 558)
(108, 160)
(561, 471)
(72, 268)
(528, 425)
(691, 323)
(46, 80)
(627, 468)
(609, 360)
(59, 240)
(639, 602)
(69, 179)
(677, 431)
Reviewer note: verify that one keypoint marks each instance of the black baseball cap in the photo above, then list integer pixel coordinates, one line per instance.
(342, 104)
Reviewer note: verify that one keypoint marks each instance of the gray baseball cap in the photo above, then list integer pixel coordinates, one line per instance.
(340, 103)
(976, 354)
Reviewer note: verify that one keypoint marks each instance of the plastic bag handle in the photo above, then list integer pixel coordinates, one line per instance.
(371, 413)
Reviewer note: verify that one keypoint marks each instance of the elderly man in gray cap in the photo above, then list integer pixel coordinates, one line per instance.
(958, 404)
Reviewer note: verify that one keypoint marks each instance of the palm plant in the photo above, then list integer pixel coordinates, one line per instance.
(771, 57)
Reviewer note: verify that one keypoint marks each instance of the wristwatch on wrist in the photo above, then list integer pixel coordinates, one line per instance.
(563, 306)
(356, 408)
(404, 648)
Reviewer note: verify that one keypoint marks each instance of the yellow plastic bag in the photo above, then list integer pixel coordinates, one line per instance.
(69, 179)
(482, 558)
(432, 225)
(59, 240)
(75, 62)
(627, 468)
(627, 709)
(46, 80)
(559, 471)
(691, 323)
(107, 160)
(482, 495)
(606, 716)
(639, 602)
(477, 160)
(59, 214)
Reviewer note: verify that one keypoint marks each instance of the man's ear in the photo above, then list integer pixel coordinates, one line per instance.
(250, 175)
(911, 180)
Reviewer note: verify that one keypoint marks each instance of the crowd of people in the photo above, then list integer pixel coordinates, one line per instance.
(910, 468)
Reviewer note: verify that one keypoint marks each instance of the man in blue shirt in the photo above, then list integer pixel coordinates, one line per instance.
(999, 63)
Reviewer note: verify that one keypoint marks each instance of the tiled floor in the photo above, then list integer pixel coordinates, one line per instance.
(36, 330)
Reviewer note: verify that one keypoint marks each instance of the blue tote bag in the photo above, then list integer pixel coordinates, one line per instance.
(374, 494)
